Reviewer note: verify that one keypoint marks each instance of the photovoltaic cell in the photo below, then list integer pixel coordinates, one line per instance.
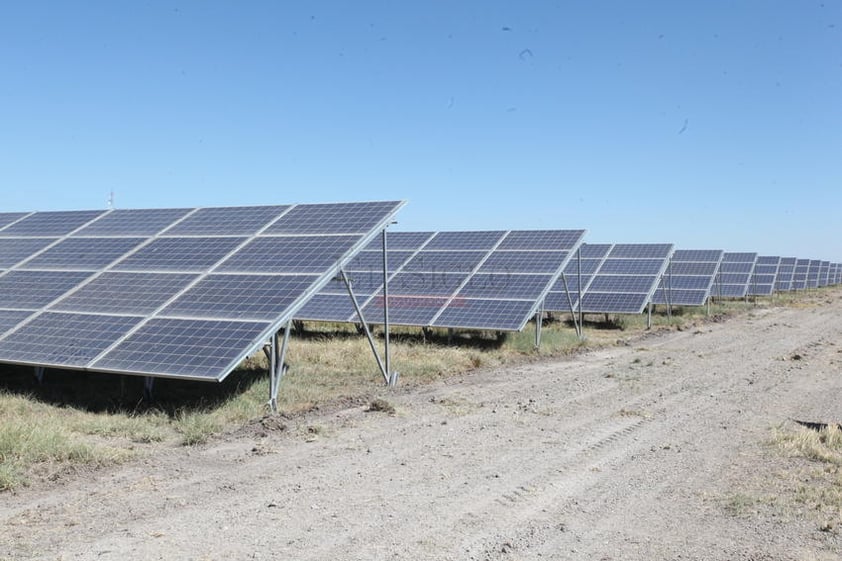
(290, 254)
(426, 284)
(348, 218)
(473, 241)
(50, 224)
(505, 286)
(445, 261)
(517, 261)
(32, 290)
(7, 218)
(125, 293)
(480, 313)
(65, 340)
(14, 251)
(251, 297)
(197, 349)
(186, 255)
(227, 221)
(83, 253)
(400, 241)
(10, 318)
(133, 222)
(536, 240)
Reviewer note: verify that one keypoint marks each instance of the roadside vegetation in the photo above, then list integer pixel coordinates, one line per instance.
(77, 420)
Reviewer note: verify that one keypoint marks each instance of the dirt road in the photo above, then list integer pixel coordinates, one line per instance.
(632, 453)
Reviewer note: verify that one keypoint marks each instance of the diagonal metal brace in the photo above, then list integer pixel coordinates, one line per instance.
(386, 375)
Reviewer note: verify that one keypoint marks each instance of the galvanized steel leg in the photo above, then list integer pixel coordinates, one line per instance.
(39, 374)
(277, 365)
(649, 316)
(148, 387)
(539, 319)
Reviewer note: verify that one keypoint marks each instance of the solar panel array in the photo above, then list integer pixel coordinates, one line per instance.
(734, 275)
(765, 276)
(493, 280)
(180, 293)
(689, 277)
(619, 279)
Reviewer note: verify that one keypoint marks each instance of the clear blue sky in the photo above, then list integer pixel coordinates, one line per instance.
(707, 124)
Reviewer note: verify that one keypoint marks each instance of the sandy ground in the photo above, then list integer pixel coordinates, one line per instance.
(630, 453)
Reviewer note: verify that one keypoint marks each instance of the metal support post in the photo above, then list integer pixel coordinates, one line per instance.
(277, 365)
(39, 374)
(386, 375)
(649, 316)
(148, 387)
(669, 289)
(579, 273)
(392, 376)
(539, 319)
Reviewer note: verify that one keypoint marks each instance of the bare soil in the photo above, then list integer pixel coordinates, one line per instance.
(659, 449)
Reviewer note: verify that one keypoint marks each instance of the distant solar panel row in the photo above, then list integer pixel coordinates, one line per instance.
(492, 280)
(765, 275)
(689, 277)
(167, 292)
(734, 275)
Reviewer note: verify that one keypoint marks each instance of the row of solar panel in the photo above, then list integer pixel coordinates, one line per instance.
(190, 292)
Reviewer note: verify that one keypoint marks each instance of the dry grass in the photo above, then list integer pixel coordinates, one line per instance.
(86, 419)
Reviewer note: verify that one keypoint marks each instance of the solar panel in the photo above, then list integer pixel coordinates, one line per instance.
(125, 293)
(626, 279)
(689, 277)
(491, 280)
(786, 273)
(14, 251)
(765, 275)
(227, 221)
(47, 224)
(734, 275)
(802, 269)
(134, 222)
(86, 254)
(813, 273)
(167, 292)
(824, 273)
(7, 218)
